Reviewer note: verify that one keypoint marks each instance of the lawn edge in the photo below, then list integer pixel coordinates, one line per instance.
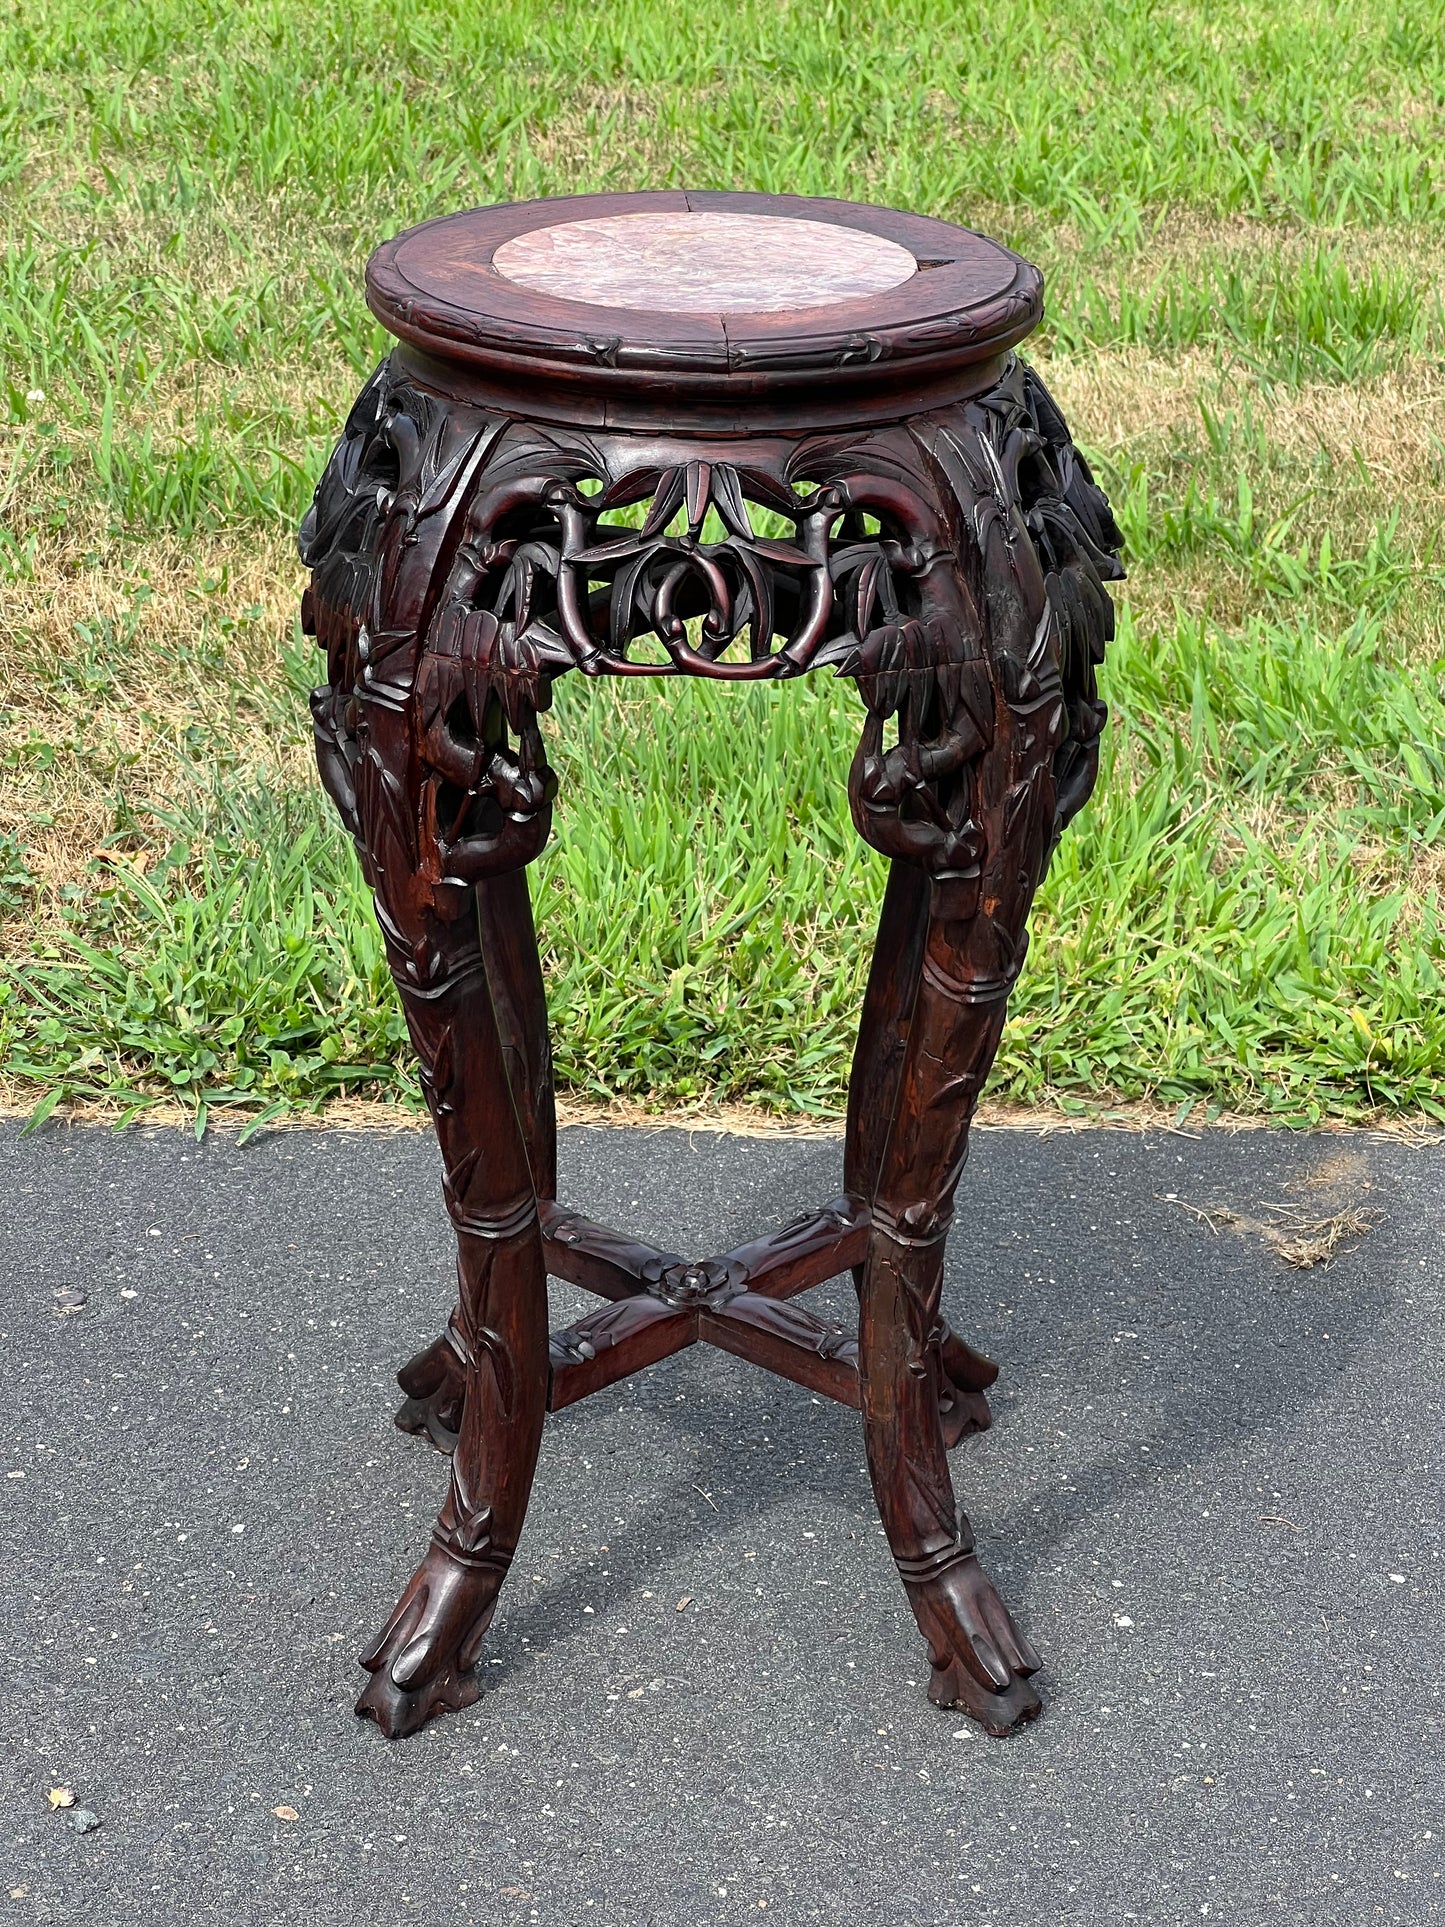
(1135, 1117)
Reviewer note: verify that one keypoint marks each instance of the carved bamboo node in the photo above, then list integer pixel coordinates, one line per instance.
(933, 1565)
(504, 1224)
(920, 1226)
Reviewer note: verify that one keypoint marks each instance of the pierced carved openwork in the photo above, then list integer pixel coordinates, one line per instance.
(468, 561)
(598, 589)
(550, 577)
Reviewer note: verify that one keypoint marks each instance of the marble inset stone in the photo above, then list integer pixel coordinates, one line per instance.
(705, 263)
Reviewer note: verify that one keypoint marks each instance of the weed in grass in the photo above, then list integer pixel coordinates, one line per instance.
(17, 885)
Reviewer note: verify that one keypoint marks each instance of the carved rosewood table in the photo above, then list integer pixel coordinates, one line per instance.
(736, 436)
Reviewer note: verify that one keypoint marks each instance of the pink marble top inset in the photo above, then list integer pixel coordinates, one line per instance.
(704, 263)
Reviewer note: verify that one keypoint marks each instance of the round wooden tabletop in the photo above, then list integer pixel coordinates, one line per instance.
(671, 298)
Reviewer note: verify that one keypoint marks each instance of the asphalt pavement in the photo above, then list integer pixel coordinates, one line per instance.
(1212, 1496)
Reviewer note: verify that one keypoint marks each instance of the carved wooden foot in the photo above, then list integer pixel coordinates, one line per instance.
(981, 1661)
(435, 1384)
(423, 1662)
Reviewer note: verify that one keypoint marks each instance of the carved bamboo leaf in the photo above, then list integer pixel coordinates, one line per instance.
(443, 467)
(760, 599)
(633, 486)
(697, 477)
(442, 1064)
(670, 485)
(731, 505)
(769, 492)
(624, 585)
(493, 1347)
(540, 555)
(788, 553)
(873, 571)
(614, 549)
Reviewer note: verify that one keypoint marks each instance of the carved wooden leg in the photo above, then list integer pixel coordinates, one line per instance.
(883, 1028)
(967, 797)
(422, 1663)
(433, 1380)
(980, 1659)
(519, 996)
(981, 655)
(963, 1374)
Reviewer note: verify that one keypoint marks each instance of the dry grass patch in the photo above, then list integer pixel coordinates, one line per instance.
(1296, 1239)
(1303, 1245)
(1293, 1230)
(1125, 394)
(127, 679)
(1393, 424)
(1055, 1114)
(149, 598)
(1136, 402)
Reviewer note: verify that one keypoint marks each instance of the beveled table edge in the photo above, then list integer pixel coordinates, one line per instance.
(558, 350)
(655, 407)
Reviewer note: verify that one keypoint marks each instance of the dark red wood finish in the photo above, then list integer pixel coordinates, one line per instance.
(946, 550)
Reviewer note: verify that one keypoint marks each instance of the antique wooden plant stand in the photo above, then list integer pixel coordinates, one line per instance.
(737, 436)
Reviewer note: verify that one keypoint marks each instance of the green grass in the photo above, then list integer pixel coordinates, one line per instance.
(1242, 221)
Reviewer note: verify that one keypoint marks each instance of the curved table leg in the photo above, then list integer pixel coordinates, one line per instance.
(963, 1374)
(433, 1380)
(519, 996)
(436, 765)
(422, 1662)
(980, 1660)
(980, 651)
(883, 1027)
